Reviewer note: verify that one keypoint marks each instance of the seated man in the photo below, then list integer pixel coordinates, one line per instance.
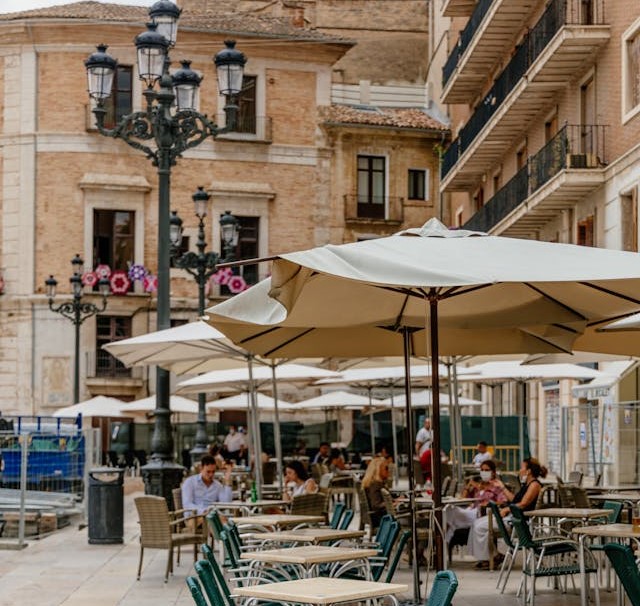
(201, 490)
(482, 455)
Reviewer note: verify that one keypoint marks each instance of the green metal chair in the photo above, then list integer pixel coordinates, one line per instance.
(512, 548)
(624, 563)
(218, 574)
(397, 554)
(443, 589)
(196, 592)
(346, 519)
(562, 551)
(336, 516)
(208, 581)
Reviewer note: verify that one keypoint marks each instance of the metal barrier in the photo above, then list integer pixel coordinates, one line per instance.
(507, 456)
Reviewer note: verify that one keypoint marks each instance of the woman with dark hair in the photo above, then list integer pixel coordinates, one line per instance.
(297, 481)
(526, 498)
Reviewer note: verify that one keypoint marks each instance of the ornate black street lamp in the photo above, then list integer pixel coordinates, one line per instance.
(77, 310)
(202, 265)
(163, 132)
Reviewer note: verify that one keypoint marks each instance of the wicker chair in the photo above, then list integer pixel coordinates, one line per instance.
(310, 504)
(158, 530)
(365, 513)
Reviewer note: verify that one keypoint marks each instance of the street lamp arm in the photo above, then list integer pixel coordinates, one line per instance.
(193, 263)
(191, 128)
(76, 311)
(132, 129)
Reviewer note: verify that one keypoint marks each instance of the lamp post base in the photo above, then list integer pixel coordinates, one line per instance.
(161, 477)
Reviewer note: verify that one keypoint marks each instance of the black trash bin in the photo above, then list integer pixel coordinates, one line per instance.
(106, 505)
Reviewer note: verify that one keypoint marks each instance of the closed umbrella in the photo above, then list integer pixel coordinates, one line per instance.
(522, 295)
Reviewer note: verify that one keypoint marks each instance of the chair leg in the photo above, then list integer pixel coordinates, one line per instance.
(511, 556)
(140, 562)
(178, 558)
(169, 565)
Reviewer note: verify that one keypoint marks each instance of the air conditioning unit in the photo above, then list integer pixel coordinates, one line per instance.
(582, 161)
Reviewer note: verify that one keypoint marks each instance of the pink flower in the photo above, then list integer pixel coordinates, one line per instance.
(89, 278)
(120, 282)
(236, 284)
(103, 271)
(222, 276)
(150, 283)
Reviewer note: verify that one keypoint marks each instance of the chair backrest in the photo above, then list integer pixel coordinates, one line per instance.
(234, 535)
(565, 496)
(196, 592)
(217, 573)
(499, 522)
(624, 563)
(453, 486)
(395, 560)
(615, 510)
(580, 497)
(575, 477)
(388, 501)
(209, 584)
(384, 528)
(325, 481)
(346, 519)
(230, 549)
(547, 497)
(269, 469)
(215, 523)
(176, 493)
(336, 516)
(522, 528)
(384, 550)
(365, 512)
(418, 473)
(155, 530)
(310, 504)
(445, 485)
(443, 589)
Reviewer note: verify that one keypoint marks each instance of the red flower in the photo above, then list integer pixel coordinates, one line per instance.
(120, 282)
(222, 276)
(150, 283)
(236, 284)
(89, 278)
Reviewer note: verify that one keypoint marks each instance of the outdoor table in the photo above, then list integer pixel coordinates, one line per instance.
(248, 507)
(281, 520)
(628, 500)
(310, 535)
(318, 591)
(612, 531)
(308, 557)
(613, 488)
(568, 513)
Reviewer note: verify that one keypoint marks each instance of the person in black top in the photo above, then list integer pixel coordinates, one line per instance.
(525, 498)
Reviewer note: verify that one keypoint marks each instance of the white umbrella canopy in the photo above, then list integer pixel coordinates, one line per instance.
(424, 397)
(383, 375)
(524, 296)
(195, 340)
(517, 371)
(176, 404)
(241, 402)
(239, 377)
(577, 357)
(338, 399)
(100, 406)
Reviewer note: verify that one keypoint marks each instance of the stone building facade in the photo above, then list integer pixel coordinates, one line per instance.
(66, 189)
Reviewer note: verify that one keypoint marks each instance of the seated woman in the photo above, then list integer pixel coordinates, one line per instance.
(374, 480)
(489, 488)
(525, 499)
(297, 481)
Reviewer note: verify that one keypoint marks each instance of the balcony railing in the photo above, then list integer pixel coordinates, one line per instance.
(101, 364)
(573, 147)
(558, 14)
(249, 128)
(466, 36)
(358, 208)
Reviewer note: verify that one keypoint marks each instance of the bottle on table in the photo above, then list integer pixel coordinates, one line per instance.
(254, 492)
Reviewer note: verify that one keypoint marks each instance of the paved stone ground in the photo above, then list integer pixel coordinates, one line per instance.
(63, 569)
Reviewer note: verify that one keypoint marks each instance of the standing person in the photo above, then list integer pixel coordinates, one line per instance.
(482, 455)
(297, 481)
(234, 447)
(424, 437)
(526, 498)
(201, 490)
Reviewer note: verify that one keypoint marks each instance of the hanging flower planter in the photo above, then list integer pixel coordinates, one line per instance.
(222, 276)
(120, 282)
(89, 279)
(137, 272)
(236, 284)
(103, 272)
(150, 283)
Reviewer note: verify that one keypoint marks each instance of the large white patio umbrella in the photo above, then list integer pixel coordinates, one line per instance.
(177, 404)
(455, 283)
(241, 402)
(100, 406)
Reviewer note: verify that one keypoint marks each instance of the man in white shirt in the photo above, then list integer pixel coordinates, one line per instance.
(234, 446)
(424, 437)
(200, 491)
(482, 455)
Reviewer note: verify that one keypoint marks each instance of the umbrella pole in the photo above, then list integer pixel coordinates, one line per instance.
(277, 438)
(395, 442)
(371, 424)
(521, 400)
(452, 411)
(458, 420)
(255, 424)
(406, 341)
(494, 433)
(435, 421)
